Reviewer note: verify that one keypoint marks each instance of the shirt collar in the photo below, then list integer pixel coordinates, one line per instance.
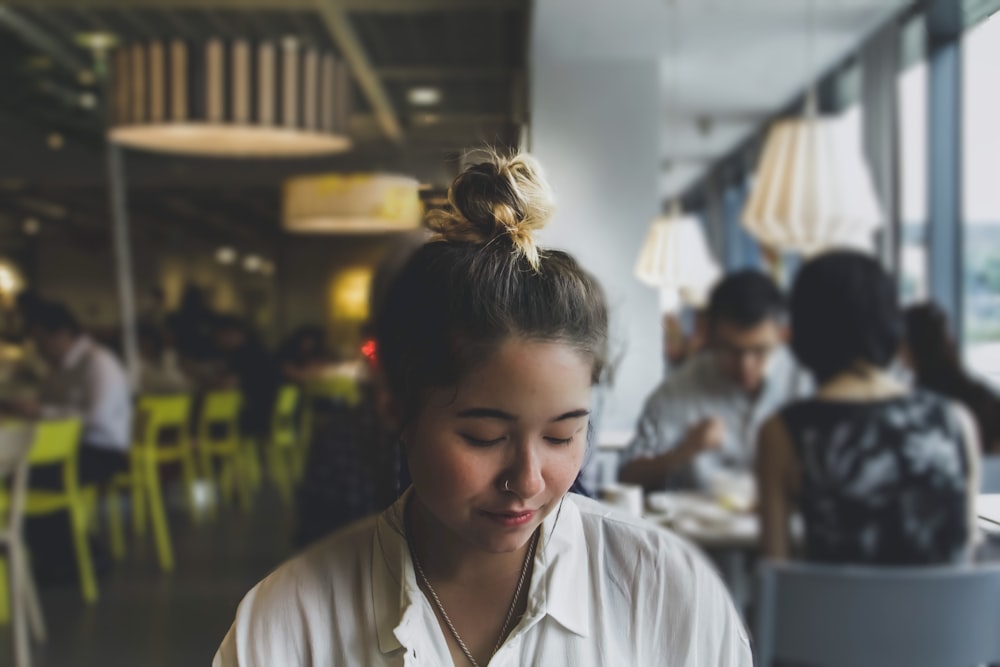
(560, 582)
(76, 351)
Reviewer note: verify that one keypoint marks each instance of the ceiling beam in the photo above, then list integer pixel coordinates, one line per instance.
(41, 40)
(377, 6)
(339, 26)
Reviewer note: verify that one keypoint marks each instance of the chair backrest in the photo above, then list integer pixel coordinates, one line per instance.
(163, 411)
(56, 441)
(989, 473)
(845, 616)
(286, 402)
(220, 408)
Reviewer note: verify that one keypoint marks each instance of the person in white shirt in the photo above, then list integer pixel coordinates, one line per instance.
(702, 420)
(87, 381)
(489, 348)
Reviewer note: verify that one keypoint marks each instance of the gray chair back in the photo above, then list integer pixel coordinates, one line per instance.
(841, 616)
(989, 473)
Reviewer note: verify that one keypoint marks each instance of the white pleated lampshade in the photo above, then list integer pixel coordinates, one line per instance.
(351, 204)
(812, 190)
(676, 259)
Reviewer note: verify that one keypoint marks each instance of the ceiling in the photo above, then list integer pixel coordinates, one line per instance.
(726, 66)
(51, 117)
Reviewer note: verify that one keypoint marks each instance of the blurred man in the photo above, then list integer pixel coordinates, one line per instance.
(703, 418)
(85, 380)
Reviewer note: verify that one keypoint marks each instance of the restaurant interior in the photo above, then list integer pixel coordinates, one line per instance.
(215, 196)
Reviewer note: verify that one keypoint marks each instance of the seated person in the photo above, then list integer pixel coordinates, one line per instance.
(86, 380)
(881, 475)
(931, 353)
(489, 349)
(704, 416)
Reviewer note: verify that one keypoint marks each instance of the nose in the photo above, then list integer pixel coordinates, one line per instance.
(524, 474)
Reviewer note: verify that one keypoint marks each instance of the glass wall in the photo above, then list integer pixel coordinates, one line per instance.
(912, 104)
(981, 197)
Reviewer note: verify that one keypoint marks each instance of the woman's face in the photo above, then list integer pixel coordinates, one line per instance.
(493, 456)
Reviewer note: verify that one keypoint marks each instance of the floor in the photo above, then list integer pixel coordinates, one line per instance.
(148, 618)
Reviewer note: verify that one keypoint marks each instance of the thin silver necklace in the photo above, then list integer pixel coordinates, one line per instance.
(440, 607)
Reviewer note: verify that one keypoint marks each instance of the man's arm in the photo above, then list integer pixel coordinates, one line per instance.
(651, 471)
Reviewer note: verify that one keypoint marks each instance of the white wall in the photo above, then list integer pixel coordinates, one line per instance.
(595, 129)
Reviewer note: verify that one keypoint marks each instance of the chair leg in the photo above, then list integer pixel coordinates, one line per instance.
(22, 647)
(5, 603)
(161, 531)
(34, 608)
(88, 581)
(138, 504)
(115, 531)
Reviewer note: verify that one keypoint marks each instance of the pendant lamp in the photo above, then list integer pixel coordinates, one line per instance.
(229, 99)
(676, 259)
(812, 190)
(351, 204)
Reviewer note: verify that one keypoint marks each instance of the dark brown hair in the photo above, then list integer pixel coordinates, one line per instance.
(483, 280)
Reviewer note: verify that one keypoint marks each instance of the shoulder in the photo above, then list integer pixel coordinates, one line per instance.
(305, 590)
(104, 360)
(651, 556)
(683, 384)
(664, 576)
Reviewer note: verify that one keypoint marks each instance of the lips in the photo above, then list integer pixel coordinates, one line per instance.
(511, 518)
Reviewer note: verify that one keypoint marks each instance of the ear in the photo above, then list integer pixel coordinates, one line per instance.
(785, 332)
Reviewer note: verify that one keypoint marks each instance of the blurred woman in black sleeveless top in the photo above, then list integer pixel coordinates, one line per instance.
(881, 475)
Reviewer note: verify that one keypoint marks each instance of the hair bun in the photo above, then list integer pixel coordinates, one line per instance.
(498, 197)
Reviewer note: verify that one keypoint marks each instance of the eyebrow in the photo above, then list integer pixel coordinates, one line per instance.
(491, 413)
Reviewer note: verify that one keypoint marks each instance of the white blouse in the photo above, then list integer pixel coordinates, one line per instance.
(606, 589)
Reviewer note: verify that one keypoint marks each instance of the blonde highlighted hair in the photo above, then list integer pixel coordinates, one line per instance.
(497, 198)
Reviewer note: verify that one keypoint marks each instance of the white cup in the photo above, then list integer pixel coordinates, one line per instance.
(626, 497)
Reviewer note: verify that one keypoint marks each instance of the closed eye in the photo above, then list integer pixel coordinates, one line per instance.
(478, 442)
(559, 441)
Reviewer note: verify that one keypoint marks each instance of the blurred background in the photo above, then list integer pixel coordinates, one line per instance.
(217, 190)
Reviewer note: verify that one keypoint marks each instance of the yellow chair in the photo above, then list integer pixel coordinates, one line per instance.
(282, 448)
(219, 439)
(57, 442)
(156, 414)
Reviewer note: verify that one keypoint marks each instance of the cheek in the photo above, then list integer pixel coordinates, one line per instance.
(447, 469)
(563, 465)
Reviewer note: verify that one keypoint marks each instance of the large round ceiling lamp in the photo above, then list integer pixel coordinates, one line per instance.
(351, 204)
(229, 99)
(812, 190)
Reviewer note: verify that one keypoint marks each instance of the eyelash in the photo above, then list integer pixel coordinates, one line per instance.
(475, 442)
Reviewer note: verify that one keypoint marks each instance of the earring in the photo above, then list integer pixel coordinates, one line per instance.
(506, 485)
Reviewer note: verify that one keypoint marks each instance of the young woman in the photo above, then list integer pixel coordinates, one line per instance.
(880, 474)
(489, 347)
(931, 353)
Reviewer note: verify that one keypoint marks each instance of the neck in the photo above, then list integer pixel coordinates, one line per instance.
(446, 556)
(863, 382)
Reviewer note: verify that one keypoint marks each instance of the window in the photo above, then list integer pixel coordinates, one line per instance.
(981, 198)
(912, 102)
